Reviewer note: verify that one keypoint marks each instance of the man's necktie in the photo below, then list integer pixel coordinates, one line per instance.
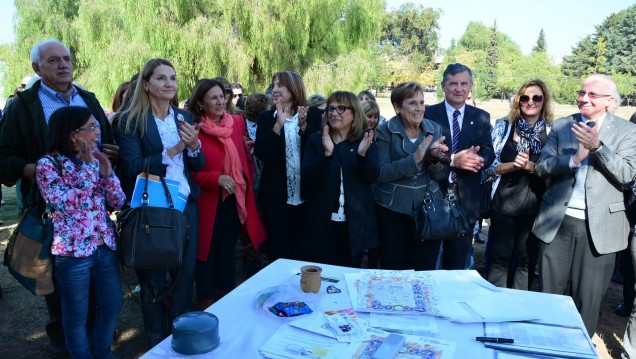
(455, 145)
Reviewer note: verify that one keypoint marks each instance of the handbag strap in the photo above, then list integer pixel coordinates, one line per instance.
(144, 196)
(156, 299)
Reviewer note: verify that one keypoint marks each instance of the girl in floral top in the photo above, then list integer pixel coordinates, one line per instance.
(77, 181)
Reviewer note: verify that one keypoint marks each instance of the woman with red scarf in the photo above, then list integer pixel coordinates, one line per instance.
(226, 203)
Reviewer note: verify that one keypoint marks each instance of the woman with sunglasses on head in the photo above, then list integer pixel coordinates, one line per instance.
(517, 191)
(281, 137)
(339, 167)
(78, 182)
(153, 131)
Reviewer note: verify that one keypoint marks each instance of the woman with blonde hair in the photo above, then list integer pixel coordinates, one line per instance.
(517, 191)
(339, 167)
(153, 132)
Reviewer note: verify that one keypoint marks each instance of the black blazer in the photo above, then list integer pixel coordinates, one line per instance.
(134, 150)
(476, 131)
(322, 177)
(270, 149)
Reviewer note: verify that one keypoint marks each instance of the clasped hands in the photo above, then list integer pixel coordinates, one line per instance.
(189, 137)
(437, 151)
(227, 183)
(588, 140)
(283, 113)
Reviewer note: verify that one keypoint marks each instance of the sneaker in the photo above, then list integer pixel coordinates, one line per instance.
(57, 350)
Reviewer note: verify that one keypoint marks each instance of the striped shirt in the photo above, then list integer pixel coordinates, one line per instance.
(51, 100)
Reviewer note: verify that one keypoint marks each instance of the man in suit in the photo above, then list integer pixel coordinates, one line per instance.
(23, 139)
(468, 130)
(582, 221)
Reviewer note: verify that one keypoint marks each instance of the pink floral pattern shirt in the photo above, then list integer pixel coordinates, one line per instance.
(78, 197)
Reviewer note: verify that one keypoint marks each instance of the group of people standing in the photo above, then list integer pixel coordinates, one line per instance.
(332, 182)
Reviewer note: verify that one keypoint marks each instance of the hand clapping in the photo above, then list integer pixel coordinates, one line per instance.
(366, 142)
(190, 135)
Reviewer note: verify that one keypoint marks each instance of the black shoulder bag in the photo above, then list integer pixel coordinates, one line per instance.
(440, 219)
(152, 237)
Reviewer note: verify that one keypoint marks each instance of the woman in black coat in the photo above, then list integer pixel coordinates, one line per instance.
(339, 167)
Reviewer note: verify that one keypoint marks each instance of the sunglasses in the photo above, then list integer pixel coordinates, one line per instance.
(535, 98)
(340, 109)
(592, 95)
(238, 95)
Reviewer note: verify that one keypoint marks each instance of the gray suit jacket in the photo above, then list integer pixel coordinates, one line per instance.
(609, 169)
(402, 182)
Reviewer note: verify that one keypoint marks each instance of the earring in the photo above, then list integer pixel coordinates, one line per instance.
(146, 90)
(201, 109)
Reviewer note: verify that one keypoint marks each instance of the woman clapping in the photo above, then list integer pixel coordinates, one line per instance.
(339, 167)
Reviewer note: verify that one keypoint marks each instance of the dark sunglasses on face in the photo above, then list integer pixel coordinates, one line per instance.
(592, 95)
(535, 98)
(340, 109)
(526, 98)
(238, 95)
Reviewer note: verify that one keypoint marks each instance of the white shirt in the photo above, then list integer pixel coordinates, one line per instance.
(169, 138)
(292, 159)
(450, 110)
(576, 204)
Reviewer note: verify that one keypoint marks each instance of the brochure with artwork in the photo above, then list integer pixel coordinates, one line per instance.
(293, 343)
(414, 347)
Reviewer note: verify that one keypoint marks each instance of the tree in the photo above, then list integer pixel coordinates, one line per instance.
(409, 41)
(246, 40)
(492, 59)
(541, 45)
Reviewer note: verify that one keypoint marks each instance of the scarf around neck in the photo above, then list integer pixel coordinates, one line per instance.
(530, 137)
(232, 165)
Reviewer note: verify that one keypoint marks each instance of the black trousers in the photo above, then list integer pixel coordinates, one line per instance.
(510, 235)
(571, 254)
(400, 250)
(158, 315)
(283, 224)
(218, 273)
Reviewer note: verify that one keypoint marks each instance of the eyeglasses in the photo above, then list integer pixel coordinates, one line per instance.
(238, 95)
(90, 128)
(592, 95)
(535, 98)
(340, 109)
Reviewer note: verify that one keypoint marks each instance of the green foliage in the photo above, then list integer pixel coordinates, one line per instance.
(491, 88)
(541, 45)
(409, 42)
(245, 41)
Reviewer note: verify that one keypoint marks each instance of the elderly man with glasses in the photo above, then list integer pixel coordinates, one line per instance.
(581, 223)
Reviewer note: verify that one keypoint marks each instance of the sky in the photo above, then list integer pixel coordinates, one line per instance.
(565, 22)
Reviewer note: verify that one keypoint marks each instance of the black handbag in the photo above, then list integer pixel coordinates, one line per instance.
(486, 198)
(152, 237)
(440, 219)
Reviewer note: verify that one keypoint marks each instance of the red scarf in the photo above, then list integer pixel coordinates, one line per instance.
(232, 161)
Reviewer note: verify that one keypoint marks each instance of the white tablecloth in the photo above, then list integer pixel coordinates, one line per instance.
(244, 328)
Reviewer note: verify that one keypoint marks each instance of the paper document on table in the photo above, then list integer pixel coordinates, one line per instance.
(292, 343)
(404, 292)
(344, 325)
(545, 339)
(501, 307)
(405, 324)
(414, 347)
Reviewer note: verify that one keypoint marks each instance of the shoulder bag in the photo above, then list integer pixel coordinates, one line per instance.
(152, 237)
(28, 254)
(440, 219)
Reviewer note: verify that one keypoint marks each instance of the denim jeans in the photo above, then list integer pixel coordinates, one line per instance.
(74, 278)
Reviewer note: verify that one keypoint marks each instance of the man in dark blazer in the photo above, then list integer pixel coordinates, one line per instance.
(471, 150)
(581, 220)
